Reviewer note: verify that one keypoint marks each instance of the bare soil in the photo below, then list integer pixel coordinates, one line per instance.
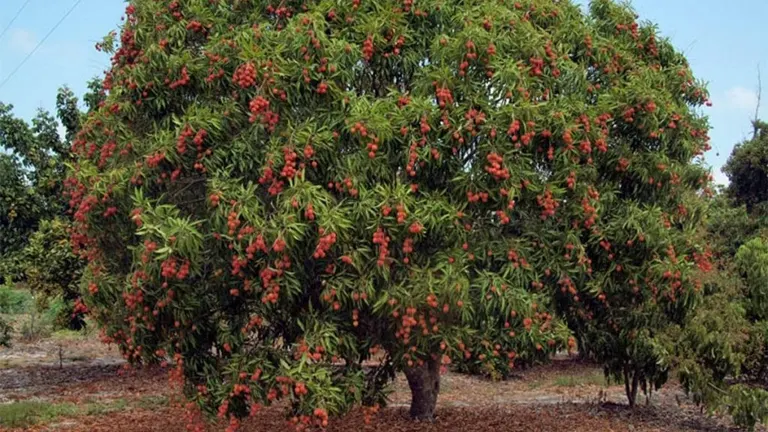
(566, 395)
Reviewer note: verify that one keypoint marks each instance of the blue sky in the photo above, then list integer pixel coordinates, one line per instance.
(724, 41)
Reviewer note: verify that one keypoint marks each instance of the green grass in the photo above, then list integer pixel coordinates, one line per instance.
(595, 378)
(66, 335)
(29, 413)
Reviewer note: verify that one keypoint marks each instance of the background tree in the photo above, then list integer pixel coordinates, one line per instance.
(747, 168)
(33, 222)
(271, 195)
(24, 189)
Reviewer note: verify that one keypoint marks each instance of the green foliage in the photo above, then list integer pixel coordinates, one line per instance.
(31, 181)
(748, 405)
(756, 363)
(752, 262)
(14, 301)
(59, 312)
(439, 182)
(721, 345)
(728, 226)
(747, 168)
(711, 347)
(6, 332)
(54, 271)
(33, 228)
(20, 209)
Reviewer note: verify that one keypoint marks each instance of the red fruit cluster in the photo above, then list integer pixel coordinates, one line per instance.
(322, 416)
(503, 217)
(245, 75)
(214, 199)
(289, 169)
(444, 96)
(415, 228)
(169, 268)
(155, 159)
(477, 197)
(195, 26)
(259, 108)
(278, 245)
(256, 245)
(494, 167)
(106, 152)
(408, 245)
(344, 185)
(590, 213)
(233, 222)
(548, 204)
(381, 239)
(359, 128)
(537, 66)
(309, 212)
(79, 308)
(373, 147)
(181, 142)
(182, 81)
(571, 180)
(324, 245)
(368, 48)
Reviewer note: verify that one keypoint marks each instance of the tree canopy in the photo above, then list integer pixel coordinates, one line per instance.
(272, 194)
(747, 168)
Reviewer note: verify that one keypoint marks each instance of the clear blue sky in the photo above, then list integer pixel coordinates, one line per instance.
(724, 41)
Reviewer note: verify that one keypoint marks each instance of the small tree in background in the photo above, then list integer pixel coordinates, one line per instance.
(53, 271)
(747, 168)
(31, 174)
(273, 194)
(33, 222)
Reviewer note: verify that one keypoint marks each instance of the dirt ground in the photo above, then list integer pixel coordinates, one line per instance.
(74, 383)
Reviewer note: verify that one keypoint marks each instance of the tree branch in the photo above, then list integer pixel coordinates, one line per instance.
(757, 107)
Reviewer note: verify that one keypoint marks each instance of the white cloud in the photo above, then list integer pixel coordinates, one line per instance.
(23, 40)
(741, 98)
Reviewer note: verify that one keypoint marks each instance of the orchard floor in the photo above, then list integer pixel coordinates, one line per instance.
(73, 383)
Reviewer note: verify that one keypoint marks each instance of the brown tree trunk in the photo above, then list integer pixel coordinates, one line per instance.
(424, 382)
(630, 386)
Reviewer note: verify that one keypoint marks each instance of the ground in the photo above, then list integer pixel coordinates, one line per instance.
(71, 382)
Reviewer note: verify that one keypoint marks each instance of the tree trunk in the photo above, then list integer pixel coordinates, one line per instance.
(424, 382)
(631, 380)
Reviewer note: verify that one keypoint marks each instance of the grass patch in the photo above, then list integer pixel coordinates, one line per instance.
(68, 335)
(595, 378)
(29, 413)
(101, 408)
(152, 402)
(534, 384)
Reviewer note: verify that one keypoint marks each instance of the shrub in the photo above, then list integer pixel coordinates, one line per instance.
(752, 262)
(748, 405)
(13, 300)
(6, 332)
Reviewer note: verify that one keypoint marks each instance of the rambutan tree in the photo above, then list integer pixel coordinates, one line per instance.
(295, 200)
